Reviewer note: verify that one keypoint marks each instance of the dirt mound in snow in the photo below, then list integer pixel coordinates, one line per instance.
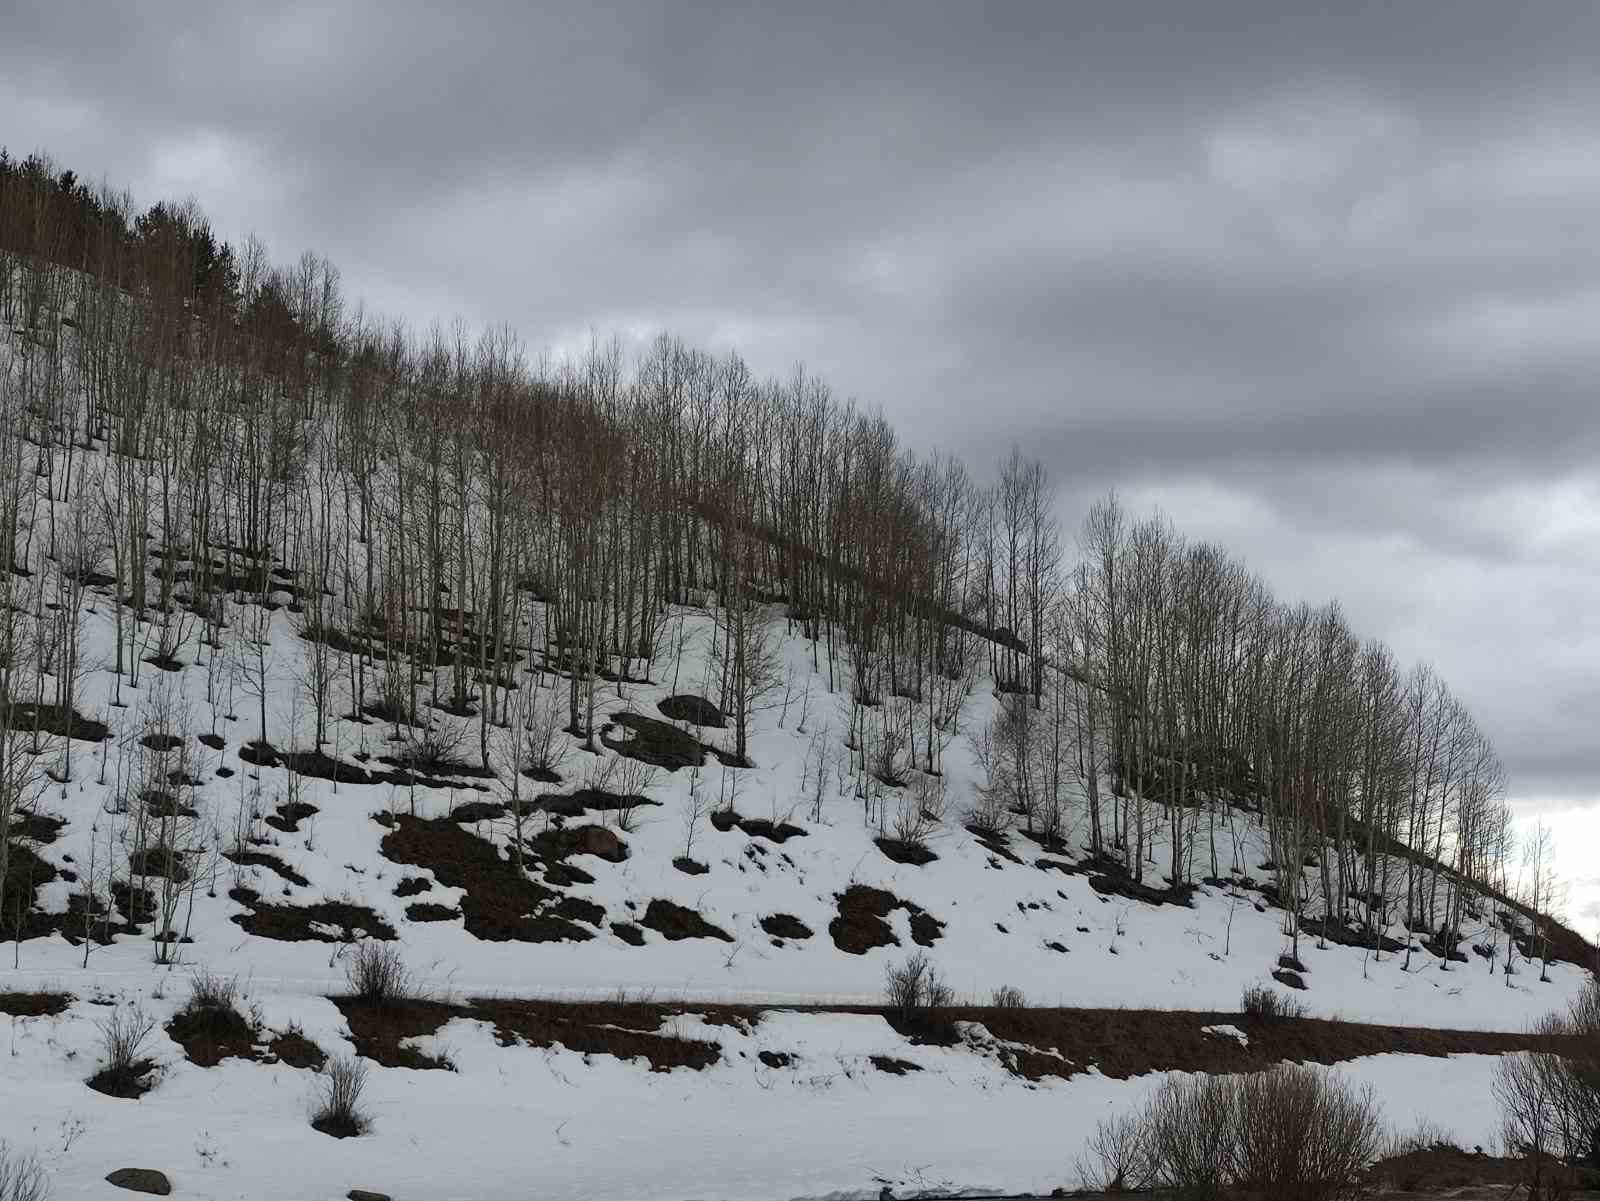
(860, 925)
(677, 923)
(325, 921)
(501, 903)
(695, 710)
(654, 742)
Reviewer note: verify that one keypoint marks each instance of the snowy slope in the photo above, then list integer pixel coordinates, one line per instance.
(1117, 951)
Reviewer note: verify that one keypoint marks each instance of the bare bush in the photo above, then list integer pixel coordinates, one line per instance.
(914, 987)
(1423, 1137)
(1191, 1125)
(1008, 996)
(547, 743)
(339, 1086)
(1550, 1103)
(1535, 1121)
(912, 825)
(378, 975)
(1258, 1001)
(435, 748)
(1302, 1133)
(123, 1037)
(1117, 1158)
(1290, 1131)
(208, 991)
(631, 777)
(21, 1177)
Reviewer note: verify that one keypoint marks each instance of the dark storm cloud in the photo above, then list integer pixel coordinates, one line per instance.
(1322, 281)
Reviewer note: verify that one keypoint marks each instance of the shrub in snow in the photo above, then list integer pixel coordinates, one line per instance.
(21, 1177)
(1117, 1158)
(1009, 996)
(209, 992)
(1258, 1001)
(1190, 1125)
(377, 974)
(915, 986)
(338, 1112)
(1548, 1101)
(1292, 1131)
(122, 1038)
(1303, 1133)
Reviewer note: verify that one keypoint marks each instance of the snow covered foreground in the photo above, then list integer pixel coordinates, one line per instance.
(515, 1123)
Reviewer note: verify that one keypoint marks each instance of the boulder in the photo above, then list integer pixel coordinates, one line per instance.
(141, 1180)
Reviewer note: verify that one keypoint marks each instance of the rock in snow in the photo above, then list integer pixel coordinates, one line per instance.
(141, 1180)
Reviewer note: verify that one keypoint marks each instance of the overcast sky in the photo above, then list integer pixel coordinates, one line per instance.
(1322, 281)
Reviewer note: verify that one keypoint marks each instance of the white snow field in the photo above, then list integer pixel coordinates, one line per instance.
(515, 1123)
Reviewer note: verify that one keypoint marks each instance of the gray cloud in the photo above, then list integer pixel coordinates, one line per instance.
(1321, 281)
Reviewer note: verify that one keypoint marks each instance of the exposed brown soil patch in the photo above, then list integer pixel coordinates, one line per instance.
(290, 815)
(895, 1067)
(912, 854)
(210, 1035)
(271, 862)
(760, 827)
(53, 719)
(501, 903)
(128, 1084)
(422, 911)
(695, 710)
(724, 820)
(324, 921)
(995, 843)
(1441, 1167)
(26, 873)
(676, 923)
(655, 742)
(785, 925)
(478, 811)
(433, 771)
(296, 1050)
(157, 863)
(1126, 1042)
(38, 828)
(380, 1030)
(34, 1004)
(559, 843)
(323, 767)
(625, 1030)
(595, 800)
(1108, 877)
(860, 925)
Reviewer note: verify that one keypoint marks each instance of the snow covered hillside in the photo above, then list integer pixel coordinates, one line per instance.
(796, 902)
